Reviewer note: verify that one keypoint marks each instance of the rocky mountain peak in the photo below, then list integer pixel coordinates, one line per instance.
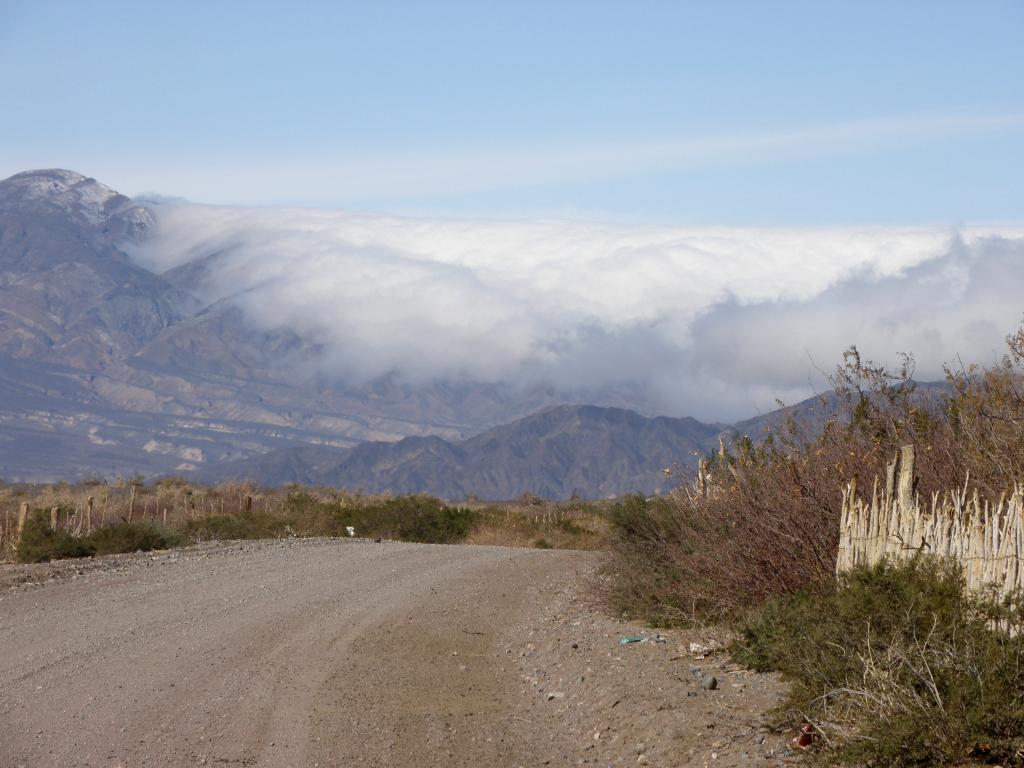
(84, 199)
(61, 177)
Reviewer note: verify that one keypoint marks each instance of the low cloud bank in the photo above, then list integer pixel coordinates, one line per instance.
(713, 322)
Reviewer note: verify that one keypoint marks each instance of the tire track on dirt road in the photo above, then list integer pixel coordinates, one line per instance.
(296, 653)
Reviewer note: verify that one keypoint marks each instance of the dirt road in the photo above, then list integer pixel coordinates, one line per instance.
(314, 653)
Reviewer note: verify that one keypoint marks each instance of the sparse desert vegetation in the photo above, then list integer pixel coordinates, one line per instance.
(899, 665)
(892, 665)
(97, 517)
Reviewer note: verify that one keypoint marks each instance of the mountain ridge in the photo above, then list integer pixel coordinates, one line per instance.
(109, 368)
(121, 370)
(562, 451)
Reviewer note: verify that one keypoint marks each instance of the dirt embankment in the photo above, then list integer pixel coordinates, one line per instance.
(340, 653)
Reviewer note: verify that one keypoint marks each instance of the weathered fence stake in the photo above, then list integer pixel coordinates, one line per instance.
(907, 480)
(703, 477)
(22, 515)
(987, 539)
(131, 504)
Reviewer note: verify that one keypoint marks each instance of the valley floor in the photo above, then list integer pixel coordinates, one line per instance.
(319, 652)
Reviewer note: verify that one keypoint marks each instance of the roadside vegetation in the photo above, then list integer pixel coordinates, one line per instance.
(899, 665)
(62, 522)
(894, 665)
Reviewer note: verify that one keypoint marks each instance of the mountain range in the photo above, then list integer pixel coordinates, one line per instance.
(557, 453)
(109, 368)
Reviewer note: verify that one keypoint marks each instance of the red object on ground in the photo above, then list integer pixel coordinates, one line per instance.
(805, 737)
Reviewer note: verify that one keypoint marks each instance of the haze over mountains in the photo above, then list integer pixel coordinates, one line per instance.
(155, 339)
(109, 368)
(106, 367)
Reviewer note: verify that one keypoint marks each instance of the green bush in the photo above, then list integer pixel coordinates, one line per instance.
(570, 526)
(308, 515)
(899, 666)
(132, 537)
(248, 525)
(421, 519)
(407, 518)
(40, 543)
(432, 523)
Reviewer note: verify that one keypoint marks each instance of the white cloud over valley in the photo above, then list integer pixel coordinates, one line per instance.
(713, 322)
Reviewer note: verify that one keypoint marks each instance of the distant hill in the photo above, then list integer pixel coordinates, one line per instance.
(594, 452)
(107, 368)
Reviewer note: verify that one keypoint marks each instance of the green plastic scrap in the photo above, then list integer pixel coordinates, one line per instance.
(632, 639)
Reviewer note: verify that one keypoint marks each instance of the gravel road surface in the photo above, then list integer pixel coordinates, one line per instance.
(318, 652)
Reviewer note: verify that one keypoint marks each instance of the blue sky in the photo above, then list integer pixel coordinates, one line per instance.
(784, 113)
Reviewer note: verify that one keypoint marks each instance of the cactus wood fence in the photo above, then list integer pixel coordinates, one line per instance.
(987, 538)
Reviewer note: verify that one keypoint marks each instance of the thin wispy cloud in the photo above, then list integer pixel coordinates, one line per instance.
(481, 169)
(384, 173)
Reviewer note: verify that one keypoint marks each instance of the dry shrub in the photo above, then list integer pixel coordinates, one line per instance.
(544, 524)
(987, 419)
(767, 521)
(899, 666)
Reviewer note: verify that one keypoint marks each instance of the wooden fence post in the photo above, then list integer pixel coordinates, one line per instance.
(54, 512)
(22, 515)
(985, 536)
(907, 481)
(131, 504)
(703, 477)
(88, 516)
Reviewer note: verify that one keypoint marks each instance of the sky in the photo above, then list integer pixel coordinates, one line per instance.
(704, 202)
(742, 113)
